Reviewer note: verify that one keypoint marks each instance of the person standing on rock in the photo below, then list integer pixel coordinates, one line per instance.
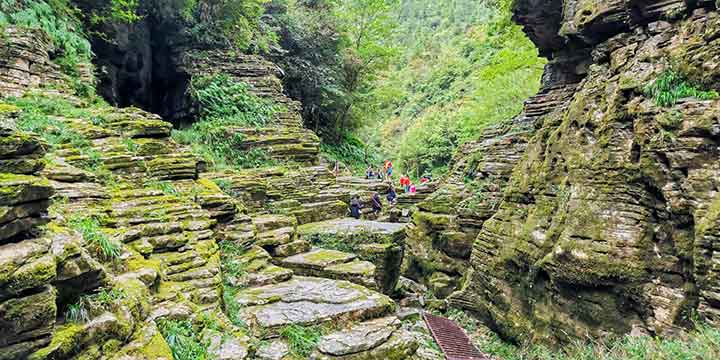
(355, 207)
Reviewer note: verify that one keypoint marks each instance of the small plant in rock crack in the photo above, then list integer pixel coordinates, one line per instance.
(166, 187)
(88, 306)
(77, 313)
(231, 266)
(91, 230)
(131, 146)
(302, 339)
(233, 310)
(183, 340)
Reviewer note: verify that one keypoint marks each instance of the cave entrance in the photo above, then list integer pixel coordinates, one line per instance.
(138, 65)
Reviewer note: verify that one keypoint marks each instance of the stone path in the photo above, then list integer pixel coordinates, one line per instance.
(306, 284)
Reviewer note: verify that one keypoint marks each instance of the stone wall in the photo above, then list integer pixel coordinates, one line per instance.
(607, 223)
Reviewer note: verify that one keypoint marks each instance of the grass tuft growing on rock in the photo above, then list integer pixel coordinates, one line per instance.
(91, 230)
(670, 86)
(184, 343)
(88, 306)
(302, 339)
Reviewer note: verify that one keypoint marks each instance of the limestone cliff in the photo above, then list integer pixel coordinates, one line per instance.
(598, 210)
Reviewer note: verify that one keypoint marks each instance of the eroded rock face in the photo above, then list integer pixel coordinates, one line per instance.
(607, 223)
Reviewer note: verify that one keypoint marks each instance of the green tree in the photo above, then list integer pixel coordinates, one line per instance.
(367, 26)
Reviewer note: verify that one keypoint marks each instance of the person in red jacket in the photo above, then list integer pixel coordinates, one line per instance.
(405, 183)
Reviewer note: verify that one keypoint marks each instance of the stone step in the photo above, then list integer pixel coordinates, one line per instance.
(309, 301)
(316, 260)
(267, 223)
(381, 338)
(357, 271)
(276, 237)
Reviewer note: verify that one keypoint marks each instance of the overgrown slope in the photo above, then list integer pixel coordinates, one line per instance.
(461, 68)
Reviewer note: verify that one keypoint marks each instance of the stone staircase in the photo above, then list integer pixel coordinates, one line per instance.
(326, 287)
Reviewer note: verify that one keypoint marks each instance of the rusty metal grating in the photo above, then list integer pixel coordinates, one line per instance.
(452, 339)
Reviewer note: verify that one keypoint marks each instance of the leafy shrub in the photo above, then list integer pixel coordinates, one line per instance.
(225, 104)
(231, 23)
(184, 342)
(670, 86)
(91, 230)
(351, 152)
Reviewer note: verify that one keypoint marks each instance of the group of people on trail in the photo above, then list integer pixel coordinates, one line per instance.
(407, 185)
(386, 173)
(375, 202)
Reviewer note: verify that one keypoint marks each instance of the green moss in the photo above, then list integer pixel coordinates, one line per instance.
(34, 274)
(63, 344)
(157, 348)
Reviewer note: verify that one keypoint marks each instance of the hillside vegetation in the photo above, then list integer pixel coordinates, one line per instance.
(462, 67)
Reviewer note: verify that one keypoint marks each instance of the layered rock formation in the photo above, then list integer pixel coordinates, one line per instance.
(27, 265)
(285, 139)
(140, 234)
(599, 212)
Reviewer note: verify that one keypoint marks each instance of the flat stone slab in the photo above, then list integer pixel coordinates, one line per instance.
(357, 267)
(318, 259)
(307, 300)
(266, 223)
(361, 337)
(352, 226)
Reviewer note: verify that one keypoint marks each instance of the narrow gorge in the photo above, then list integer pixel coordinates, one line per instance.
(166, 198)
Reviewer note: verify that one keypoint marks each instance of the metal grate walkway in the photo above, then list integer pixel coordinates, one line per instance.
(451, 338)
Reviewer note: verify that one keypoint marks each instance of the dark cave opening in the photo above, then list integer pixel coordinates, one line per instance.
(139, 65)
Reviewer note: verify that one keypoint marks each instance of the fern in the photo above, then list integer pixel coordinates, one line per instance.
(670, 86)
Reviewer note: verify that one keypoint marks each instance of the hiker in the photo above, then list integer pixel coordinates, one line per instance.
(379, 174)
(413, 189)
(424, 180)
(388, 168)
(355, 207)
(369, 174)
(376, 203)
(392, 195)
